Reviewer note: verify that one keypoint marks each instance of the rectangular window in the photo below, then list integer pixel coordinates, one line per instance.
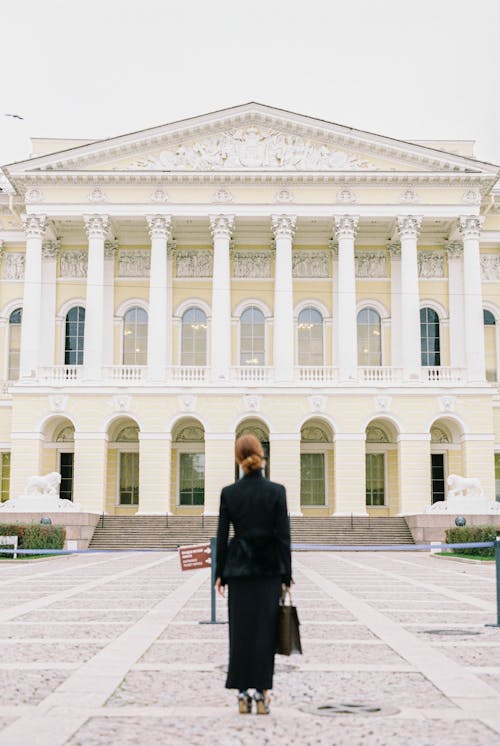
(312, 478)
(497, 477)
(66, 468)
(375, 479)
(129, 479)
(5, 477)
(192, 479)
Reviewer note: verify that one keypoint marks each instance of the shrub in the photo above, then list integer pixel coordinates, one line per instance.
(472, 534)
(35, 536)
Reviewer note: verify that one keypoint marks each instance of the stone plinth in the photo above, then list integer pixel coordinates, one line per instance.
(429, 527)
(79, 526)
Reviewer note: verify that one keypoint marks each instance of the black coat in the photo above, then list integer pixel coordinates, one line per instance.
(260, 547)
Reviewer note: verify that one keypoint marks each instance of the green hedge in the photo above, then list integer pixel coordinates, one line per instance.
(464, 534)
(35, 536)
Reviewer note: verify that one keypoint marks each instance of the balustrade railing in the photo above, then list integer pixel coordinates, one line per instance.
(125, 373)
(316, 374)
(251, 373)
(379, 374)
(187, 373)
(442, 374)
(60, 373)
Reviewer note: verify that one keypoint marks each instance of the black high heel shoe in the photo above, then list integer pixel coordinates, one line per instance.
(262, 703)
(244, 703)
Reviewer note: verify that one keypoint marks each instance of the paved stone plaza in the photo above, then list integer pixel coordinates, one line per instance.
(108, 649)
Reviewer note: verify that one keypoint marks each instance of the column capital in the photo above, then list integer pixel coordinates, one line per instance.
(50, 249)
(344, 226)
(34, 225)
(160, 226)
(470, 225)
(96, 226)
(394, 249)
(283, 225)
(455, 249)
(221, 226)
(409, 225)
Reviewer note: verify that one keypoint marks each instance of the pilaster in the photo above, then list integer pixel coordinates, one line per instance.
(350, 474)
(48, 311)
(283, 358)
(160, 324)
(414, 471)
(285, 467)
(345, 314)
(34, 226)
(470, 227)
(394, 250)
(90, 467)
(155, 456)
(219, 468)
(97, 227)
(408, 227)
(110, 249)
(455, 251)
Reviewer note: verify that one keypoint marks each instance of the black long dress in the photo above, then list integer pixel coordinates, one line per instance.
(254, 564)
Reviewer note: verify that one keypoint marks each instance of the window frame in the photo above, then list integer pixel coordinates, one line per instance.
(126, 448)
(133, 306)
(181, 346)
(81, 307)
(245, 308)
(428, 307)
(312, 307)
(373, 450)
(370, 307)
(14, 308)
(495, 335)
(188, 447)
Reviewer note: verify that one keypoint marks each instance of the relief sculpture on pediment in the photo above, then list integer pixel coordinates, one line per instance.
(252, 148)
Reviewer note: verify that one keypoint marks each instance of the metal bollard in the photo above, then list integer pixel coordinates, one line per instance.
(497, 566)
(213, 559)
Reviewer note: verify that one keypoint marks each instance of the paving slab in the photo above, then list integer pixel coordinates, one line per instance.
(109, 650)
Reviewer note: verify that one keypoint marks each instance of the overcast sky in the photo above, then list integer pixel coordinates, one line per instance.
(413, 69)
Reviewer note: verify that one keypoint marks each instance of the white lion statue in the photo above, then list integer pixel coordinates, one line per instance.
(46, 485)
(464, 487)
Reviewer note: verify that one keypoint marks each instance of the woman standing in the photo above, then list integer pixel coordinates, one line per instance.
(256, 565)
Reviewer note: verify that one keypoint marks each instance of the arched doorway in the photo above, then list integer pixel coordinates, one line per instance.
(316, 466)
(381, 467)
(59, 451)
(446, 456)
(188, 464)
(259, 429)
(122, 494)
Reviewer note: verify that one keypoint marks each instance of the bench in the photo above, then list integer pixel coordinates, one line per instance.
(10, 541)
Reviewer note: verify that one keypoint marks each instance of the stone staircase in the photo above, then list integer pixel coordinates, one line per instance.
(153, 532)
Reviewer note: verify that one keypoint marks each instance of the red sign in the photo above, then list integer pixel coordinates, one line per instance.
(195, 557)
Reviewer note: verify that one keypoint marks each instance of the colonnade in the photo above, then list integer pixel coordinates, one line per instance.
(466, 313)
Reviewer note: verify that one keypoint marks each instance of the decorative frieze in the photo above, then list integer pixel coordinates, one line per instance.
(34, 195)
(284, 196)
(252, 264)
(253, 148)
(73, 263)
(472, 196)
(13, 266)
(346, 196)
(308, 263)
(430, 264)
(134, 263)
(97, 195)
(222, 196)
(409, 196)
(370, 263)
(490, 267)
(194, 263)
(159, 196)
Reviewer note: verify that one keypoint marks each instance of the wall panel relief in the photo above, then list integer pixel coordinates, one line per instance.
(430, 264)
(251, 264)
(195, 263)
(134, 263)
(371, 263)
(308, 263)
(13, 266)
(490, 267)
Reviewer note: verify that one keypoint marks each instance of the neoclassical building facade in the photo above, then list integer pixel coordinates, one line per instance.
(333, 291)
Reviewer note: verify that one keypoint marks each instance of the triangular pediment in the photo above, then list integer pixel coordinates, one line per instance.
(250, 138)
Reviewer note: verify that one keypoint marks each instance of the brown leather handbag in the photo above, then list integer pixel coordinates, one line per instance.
(288, 638)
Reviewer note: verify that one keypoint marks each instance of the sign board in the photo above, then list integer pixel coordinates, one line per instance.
(195, 556)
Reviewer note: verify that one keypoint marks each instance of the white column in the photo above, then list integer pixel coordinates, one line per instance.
(93, 349)
(470, 227)
(222, 226)
(48, 311)
(283, 227)
(110, 248)
(345, 313)
(335, 303)
(158, 322)
(394, 250)
(408, 227)
(456, 303)
(34, 226)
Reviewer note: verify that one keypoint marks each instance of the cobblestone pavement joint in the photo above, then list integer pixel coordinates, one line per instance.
(109, 650)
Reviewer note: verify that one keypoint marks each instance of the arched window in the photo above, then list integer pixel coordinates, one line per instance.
(490, 345)
(194, 337)
(369, 337)
(15, 320)
(135, 337)
(128, 455)
(310, 337)
(429, 337)
(74, 333)
(252, 337)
